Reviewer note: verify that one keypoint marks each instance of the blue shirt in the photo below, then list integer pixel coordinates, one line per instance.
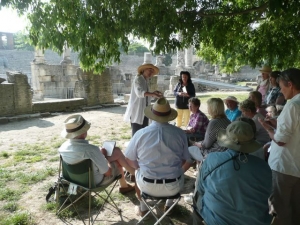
(232, 115)
(236, 192)
(159, 150)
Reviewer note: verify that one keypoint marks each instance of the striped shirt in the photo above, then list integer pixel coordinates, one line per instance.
(209, 144)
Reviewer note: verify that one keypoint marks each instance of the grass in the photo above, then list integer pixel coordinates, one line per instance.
(17, 177)
(18, 218)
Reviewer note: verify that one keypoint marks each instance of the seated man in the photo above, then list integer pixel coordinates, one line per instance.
(198, 121)
(233, 187)
(232, 112)
(157, 153)
(77, 149)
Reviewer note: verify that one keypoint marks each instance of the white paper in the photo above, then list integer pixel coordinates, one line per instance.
(72, 190)
(109, 147)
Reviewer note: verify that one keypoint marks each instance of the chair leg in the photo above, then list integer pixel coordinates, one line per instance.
(151, 208)
(166, 213)
(108, 196)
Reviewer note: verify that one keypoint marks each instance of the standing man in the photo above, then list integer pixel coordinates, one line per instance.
(157, 153)
(232, 112)
(284, 158)
(140, 97)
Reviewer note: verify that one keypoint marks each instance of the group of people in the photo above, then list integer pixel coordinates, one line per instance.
(234, 184)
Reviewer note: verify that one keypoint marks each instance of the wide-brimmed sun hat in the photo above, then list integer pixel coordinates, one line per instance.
(75, 125)
(266, 69)
(160, 111)
(231, 98)
(238, 136)
(141, 68)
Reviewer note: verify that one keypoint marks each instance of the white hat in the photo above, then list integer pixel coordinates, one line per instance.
(238, 136)
(231, 98)
(75, 125)
(160, 111)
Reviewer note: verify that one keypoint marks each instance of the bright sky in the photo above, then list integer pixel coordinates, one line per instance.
(10, 21)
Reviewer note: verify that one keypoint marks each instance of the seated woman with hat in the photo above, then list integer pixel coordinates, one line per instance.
(233, 187)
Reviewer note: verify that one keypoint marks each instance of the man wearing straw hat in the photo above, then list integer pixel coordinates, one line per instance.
(233, 187)
(140, 97)
(157, 153)
(76, 149)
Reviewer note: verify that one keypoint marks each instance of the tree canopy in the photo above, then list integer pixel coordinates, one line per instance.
(252, 32)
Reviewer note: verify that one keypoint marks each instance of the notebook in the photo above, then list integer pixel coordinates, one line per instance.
(109, 147)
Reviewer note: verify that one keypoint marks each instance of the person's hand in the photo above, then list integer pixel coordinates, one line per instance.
(198, 144)
(185, 94)
(104, 152)
(157, 94)
(266, 124)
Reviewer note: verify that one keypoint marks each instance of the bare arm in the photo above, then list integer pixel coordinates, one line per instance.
(270, 131)
(133, 163)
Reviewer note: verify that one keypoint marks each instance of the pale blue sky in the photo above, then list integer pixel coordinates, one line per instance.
(10, 21)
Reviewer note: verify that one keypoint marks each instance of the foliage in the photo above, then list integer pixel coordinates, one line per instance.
(250, 32)
(22, 41)
(137, 48)
(167, 59)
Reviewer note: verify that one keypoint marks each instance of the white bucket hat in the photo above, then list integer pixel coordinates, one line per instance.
(238, 136)
(75, 125)
(231, 98)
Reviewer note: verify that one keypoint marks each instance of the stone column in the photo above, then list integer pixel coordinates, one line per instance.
(39, 56)
(66, 55)
(180, 57)
(1, 43)
(189, 57)
(10, 41)
(37, 86)
(147, 58)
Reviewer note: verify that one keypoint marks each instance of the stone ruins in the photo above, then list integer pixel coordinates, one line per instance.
(47, 86)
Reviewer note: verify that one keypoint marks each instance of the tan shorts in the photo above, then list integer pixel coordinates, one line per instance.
(108, 179)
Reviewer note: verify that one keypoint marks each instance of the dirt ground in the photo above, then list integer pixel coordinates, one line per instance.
(107, 124)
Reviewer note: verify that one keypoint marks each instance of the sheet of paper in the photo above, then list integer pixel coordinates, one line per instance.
(109, 146)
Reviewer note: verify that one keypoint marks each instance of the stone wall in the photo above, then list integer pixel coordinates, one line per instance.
(53, 81)
(95, 88)
(15, 95)
(62, 105)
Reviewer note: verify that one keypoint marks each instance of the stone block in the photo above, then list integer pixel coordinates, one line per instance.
(3, 120)
(63, 105)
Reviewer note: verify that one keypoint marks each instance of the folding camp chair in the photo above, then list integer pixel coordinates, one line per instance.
(79, 178)
(157, 200)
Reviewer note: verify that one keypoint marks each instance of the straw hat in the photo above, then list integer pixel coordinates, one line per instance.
(160, 111)
(238, 136)
(231, 98)
(266, 69)
(141, 68)
(75, 125)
